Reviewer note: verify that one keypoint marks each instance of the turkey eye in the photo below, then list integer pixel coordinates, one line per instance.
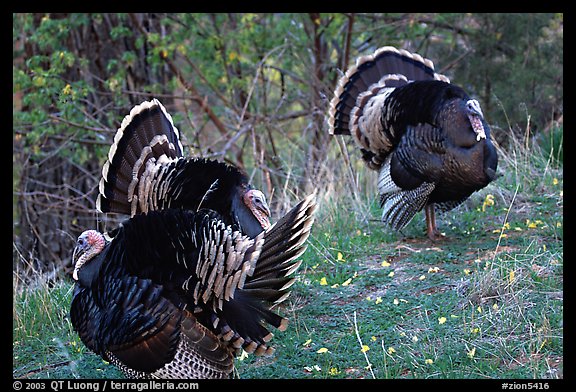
(80, 241)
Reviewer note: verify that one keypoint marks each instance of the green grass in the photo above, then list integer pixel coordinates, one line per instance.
(457, 309)
(486, 302)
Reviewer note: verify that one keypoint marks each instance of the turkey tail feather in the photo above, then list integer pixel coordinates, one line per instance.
(372, 70)
(146, 134)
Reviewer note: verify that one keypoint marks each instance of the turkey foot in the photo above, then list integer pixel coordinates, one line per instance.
(431, 229)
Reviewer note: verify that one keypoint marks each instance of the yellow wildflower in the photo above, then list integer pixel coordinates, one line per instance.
(488, 201)
(441, 320)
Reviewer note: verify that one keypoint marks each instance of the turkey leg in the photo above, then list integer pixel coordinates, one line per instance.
(432, 231)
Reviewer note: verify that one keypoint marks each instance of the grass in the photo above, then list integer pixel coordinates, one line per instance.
(484, 303)
(450, 310)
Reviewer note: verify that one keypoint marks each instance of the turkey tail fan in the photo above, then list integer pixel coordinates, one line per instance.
(389, 60)
(146, 134)
(387, 67)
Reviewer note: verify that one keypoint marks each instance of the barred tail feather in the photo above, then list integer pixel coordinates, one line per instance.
(147, 133)
(361, 106)
(386, 67)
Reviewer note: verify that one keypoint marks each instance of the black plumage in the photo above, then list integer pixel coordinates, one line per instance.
(426, 137)
(146, 171)
(178, 294)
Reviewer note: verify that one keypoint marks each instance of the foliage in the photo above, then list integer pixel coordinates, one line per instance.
(515, 61)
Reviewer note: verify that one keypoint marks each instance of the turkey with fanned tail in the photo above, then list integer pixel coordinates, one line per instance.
(426, 137)
(178, 293)
(145, 171)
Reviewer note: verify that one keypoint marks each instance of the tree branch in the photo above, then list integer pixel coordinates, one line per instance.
(196, 97)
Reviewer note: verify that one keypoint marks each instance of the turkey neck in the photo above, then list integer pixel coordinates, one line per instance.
(246, 219)
(89, 273)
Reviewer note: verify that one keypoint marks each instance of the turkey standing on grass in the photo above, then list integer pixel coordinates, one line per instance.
(427, 138)
(178, 294)
(146, 171)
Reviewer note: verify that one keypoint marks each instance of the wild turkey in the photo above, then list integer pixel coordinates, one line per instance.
(177, 293)
(427, 138)
(146, 171)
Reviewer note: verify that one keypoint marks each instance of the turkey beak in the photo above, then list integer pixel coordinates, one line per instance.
(256, 202)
